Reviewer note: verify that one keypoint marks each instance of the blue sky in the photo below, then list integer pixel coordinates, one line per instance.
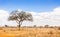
(45, 12)
(29, 5)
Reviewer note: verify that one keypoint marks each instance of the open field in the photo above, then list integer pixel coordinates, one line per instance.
(29, 32)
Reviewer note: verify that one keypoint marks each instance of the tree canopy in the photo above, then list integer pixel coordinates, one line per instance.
(20, 16)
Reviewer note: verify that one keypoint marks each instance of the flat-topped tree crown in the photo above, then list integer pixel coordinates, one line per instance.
(20, 16)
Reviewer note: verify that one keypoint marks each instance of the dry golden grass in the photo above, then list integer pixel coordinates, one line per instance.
(29, 32)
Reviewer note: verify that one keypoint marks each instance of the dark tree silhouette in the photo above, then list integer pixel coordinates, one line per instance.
(20, 16)
(6, 25)
(34, 25)
(46, 26)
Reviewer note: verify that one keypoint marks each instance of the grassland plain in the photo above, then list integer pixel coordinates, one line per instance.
(29, 32)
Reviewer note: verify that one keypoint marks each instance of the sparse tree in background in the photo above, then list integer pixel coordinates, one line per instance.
(6, 25)
(46, 26)
(41, 26)
(20, 16)
(34, 25)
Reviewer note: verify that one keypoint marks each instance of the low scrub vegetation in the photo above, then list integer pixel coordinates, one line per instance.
(29, 32)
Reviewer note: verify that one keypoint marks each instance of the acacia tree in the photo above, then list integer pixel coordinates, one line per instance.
(20, 16)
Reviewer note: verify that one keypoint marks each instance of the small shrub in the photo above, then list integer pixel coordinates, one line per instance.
(50, 32)
(58, 28)
(1, 28)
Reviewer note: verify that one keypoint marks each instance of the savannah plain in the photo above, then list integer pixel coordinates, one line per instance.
(29, 32)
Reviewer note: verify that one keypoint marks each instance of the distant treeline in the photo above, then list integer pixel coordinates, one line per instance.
(46, 26)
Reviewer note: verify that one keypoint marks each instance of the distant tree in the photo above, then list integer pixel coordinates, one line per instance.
(56, 26)
(20, 16)
(34, 25)
(6, 25)
(51, 27)
(41, 26)
(46, 26)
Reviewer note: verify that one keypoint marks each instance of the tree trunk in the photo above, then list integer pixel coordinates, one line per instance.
(20, 23)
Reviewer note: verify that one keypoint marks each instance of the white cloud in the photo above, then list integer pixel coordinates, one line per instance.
(50, 18)
(4, 18)
(41, 18)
